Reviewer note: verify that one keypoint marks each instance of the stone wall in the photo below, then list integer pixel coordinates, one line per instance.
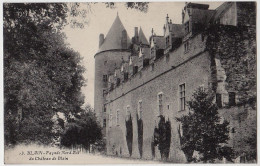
(191, 68)
(105, 63)
(235, 48)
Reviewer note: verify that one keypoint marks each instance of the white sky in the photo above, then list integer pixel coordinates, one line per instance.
(86, 40)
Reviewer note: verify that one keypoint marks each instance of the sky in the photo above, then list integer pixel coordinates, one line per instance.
(85, 40)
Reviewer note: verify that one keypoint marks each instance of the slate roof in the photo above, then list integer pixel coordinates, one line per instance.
(201, 16)
(114, 37)
(159, 42)
(177, 30)
(220, 11)
(142, 38)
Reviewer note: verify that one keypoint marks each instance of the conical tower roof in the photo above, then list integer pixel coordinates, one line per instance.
(142, 38)
(113, 40)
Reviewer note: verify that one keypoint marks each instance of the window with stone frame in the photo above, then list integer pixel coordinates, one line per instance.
(140, 109)
(160, 103)
(182, 101)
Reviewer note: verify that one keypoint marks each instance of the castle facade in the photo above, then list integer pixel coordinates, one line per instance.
(142, 78)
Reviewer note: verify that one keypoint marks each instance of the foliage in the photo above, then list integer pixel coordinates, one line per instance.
(202, 130)
(162, 137)
(82, 130)
(245, 138)
(235, 47)
(42, 75)
(140, 135)
(129, 134)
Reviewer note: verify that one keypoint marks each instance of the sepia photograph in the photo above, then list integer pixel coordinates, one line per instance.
(130, 82)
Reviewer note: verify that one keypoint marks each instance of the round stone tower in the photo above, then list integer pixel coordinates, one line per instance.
(112, 49)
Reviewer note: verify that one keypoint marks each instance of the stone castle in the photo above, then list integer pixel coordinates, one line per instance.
(142, 78)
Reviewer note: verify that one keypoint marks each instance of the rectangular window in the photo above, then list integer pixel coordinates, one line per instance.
(182, 97)
(104, 92)
(232, 98)
(105, 109)
(140, 109)
(104, 122)
(135, 69)
(167, 41)
(128, 112)
(104, 78)
(117, 117)
(186, 46)
(187, 27)
(167, 57)
(219, 100)
(160, 103)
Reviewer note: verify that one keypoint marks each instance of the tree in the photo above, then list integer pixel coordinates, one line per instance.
(162, 137)
(202, 130)
(245, 138)
(129, 134)
(42, 75)
(140, 134)
(82, 130)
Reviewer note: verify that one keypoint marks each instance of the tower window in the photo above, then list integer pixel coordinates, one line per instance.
(182, 97)
(105, 62)
(105, 78)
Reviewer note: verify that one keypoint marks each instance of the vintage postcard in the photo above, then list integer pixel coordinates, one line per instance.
(130, 82)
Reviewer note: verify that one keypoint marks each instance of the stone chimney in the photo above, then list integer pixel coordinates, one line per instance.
(124, 39)
(136, 35)
(101, 39)
(182, 16)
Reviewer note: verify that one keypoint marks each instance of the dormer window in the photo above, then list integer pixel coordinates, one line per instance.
(187, 27)
(167, 41)
(140, 53)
